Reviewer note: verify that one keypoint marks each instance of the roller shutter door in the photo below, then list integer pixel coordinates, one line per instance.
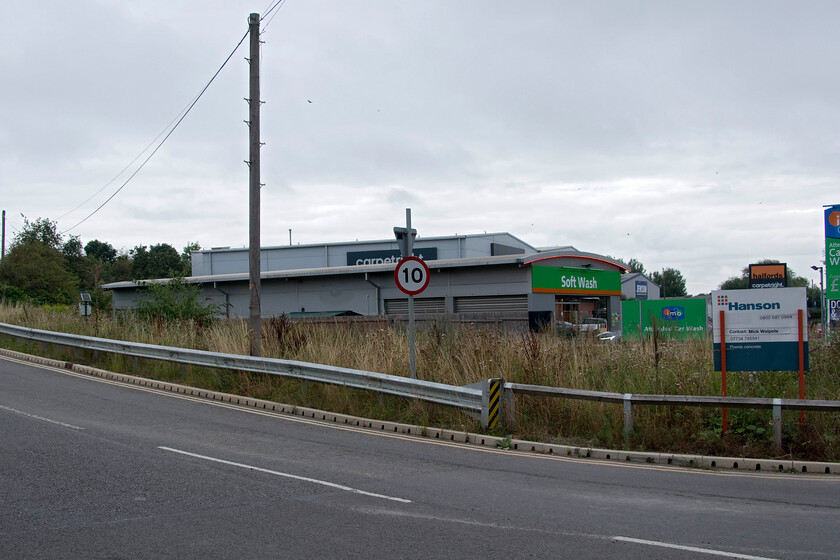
(421, 305)
(491, 304)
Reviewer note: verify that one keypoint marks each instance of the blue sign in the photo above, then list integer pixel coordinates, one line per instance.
(834, 310)
(832, 221)
(673, 313)
(641, 289)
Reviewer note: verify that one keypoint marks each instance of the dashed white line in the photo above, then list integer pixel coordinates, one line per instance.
(692, 549)
(287, 475)
(41, 418)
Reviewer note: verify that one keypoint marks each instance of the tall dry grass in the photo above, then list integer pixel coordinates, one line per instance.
(460, 354)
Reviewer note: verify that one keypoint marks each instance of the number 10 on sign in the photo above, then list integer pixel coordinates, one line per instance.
(411, 275)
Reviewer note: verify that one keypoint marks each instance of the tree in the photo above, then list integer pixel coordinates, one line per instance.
(40, 271)
(186, 257)
(636, 266)
(671, 282)
(77, 263)
(159, 261)
(736, 282)
(41, 230)
(100, 251)
(120, 269)
(37, 266)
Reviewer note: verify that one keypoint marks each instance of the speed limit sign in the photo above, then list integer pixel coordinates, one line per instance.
(411, 275)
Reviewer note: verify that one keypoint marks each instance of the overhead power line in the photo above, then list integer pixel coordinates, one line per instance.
(183, 116)
(277, 5)
(127, 167)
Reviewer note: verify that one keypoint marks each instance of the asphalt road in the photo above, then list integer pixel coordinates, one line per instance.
(94, 469)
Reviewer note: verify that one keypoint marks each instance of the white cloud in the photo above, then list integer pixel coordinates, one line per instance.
(700, 137)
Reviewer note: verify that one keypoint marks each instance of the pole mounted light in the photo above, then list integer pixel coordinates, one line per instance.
(823, 314)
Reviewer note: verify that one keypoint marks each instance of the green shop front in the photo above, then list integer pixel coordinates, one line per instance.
(578, 293)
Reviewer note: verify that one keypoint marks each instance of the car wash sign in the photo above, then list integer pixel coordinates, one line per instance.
(832, 252)
(679, 319)
(584, 281)
(760, 330)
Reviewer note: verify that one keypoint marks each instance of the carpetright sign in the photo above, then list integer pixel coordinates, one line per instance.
(761, 328)
(768, 275)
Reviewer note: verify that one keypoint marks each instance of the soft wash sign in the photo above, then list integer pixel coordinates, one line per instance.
(832, 252)
(760, 328)
(565, 280)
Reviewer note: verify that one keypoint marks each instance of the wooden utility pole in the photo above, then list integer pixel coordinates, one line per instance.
(254, 188)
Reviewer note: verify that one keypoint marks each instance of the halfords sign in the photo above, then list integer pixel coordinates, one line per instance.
(761, 328)
(768, 275)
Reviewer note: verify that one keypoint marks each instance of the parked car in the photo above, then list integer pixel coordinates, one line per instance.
(609, 336)
(592, 325)
(565, 328)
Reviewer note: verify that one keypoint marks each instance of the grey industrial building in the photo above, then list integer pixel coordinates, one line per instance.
(482, 273)
(635, 285)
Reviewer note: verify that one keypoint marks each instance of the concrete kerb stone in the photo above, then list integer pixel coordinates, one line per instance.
(768, 465)
(640, 457)
(734, 463)
(714, 462)
(816, 467)
(681, 460)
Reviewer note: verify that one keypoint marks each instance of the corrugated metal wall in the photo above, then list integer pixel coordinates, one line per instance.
(491, 304)
(421, 305)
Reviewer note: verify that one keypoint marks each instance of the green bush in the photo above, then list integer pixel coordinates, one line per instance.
(175, 300)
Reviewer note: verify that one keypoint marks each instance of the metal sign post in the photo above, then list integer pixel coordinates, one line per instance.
(411, 276)
(85, 305)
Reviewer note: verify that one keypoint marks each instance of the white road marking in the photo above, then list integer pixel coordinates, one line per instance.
(41, 418)
(692, 549)
(287, 475)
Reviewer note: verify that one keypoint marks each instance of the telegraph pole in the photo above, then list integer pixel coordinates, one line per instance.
(254, 188)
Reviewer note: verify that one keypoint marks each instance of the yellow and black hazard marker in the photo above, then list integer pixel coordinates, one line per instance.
(494, 402)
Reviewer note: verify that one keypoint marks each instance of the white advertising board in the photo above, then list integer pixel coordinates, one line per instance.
(761, 328)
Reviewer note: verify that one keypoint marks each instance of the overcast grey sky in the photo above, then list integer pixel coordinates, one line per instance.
(695, 135)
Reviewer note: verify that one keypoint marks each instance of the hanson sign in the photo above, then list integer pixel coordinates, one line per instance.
(760, 329)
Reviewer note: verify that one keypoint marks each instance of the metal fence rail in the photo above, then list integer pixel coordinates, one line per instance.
(628, 400)
(468, 398)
